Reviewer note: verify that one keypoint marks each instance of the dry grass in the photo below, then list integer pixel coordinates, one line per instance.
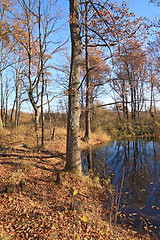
(25, 135)
(97, 137)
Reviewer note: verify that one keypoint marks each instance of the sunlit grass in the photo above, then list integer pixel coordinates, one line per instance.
(24, 136)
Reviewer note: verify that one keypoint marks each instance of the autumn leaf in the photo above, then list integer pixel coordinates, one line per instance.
(85, 219)
(75, 192)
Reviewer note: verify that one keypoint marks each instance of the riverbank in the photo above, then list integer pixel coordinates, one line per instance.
(35, 205)
(38, 203)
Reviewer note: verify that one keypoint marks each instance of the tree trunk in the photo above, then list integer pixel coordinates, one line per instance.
(1, 125)
(117, 108)
(132, 103)
(31, 88)
(41, 73)
(135, 103)
(49, 115)
(13, 110)
(42, 112)
(16, 99)
(2, 100)
(37, 125)
(123, 101)
(155, 112)
(73, 157)
(6, 112)
(19, 104)
(88, 87)
(127, 106)
(151, 101)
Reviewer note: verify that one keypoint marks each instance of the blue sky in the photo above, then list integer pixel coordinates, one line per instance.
(144, 8)
(140, 7)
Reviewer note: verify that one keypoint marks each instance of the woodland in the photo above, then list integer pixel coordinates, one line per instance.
(99, 65)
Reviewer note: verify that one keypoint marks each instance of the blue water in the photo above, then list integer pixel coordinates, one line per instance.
(140, 161)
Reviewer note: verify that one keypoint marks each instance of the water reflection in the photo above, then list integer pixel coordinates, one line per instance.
(141, 187)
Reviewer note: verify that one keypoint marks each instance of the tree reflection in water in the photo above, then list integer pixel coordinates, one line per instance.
(141, 187)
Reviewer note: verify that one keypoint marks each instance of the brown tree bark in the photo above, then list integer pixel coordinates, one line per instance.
(88, 84)
(73, 157)
(1, 125)
(1, 79)
(41, 72)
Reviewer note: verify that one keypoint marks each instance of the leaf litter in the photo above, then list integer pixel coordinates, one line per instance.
(34, 206)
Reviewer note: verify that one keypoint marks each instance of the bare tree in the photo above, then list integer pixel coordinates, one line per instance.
(73, 158)
(35, 31)
(5, 46)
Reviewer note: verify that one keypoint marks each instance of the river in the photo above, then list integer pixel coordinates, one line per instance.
(139, 162)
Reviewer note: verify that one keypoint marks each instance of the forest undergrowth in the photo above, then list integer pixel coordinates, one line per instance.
(37, 203)
(40, 201)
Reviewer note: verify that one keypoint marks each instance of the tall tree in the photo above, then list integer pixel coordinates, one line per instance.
(88, 87)
(41, 70)
(24, 35)
(104, 24)
(153, 58)
(33, 35)
(73, 157)
(130, 70)
(5, 46)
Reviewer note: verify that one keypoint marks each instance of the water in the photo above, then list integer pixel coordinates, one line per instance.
(140, 161)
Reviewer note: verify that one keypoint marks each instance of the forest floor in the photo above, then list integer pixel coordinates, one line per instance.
(37, 202)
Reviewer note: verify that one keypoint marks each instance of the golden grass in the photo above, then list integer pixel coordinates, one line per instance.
(97, 137)
(25, 135)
